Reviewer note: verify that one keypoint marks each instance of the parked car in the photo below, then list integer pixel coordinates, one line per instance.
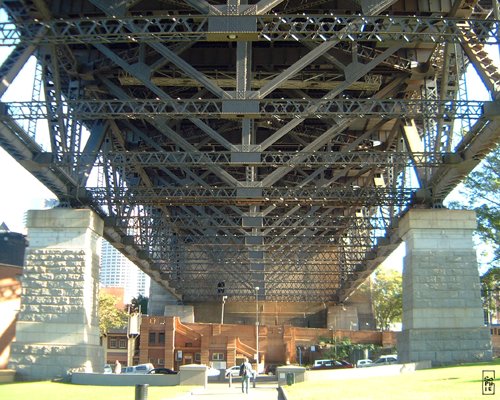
(108, 369)
(138, 369)
(385, 360)
(346, 364)
(332, 364)
(164, 371)
(213, 371)
(365, 362)
(319, 363)
(233, 371)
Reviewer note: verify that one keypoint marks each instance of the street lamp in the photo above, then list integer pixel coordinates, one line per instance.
(257, 325)
(224, 298)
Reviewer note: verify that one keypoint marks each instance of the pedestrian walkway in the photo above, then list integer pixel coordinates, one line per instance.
(222, 391)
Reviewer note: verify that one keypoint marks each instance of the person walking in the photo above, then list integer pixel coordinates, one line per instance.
(118, 367)
(246, 372)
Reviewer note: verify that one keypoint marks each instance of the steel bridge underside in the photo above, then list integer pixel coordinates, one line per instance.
(243, 144)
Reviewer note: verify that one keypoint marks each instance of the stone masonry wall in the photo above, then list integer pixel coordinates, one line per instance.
(54, 330)
(58, 328)
(442, 309)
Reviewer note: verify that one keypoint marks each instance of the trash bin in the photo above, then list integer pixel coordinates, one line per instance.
(141, 392)
(290, 378)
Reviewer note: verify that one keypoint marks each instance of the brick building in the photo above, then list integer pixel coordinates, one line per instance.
(12, 247)
(168, 342)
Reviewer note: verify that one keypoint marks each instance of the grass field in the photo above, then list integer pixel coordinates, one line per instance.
(66, 391)
(462, 382)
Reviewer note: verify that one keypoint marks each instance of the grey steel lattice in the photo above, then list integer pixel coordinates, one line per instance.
(269, 144)
(269, 108)
(316, 28)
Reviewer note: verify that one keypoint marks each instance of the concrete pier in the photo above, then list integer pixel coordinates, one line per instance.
(58, 329)
(442, 310)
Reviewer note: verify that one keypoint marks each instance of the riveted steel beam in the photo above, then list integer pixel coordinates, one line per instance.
(287, 108)
(269, 28)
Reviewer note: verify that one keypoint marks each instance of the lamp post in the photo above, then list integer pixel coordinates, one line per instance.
(224, 298)
(257, 326)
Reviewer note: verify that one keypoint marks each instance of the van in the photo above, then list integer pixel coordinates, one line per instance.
(386, 360)
(138, 369)
(320, 363)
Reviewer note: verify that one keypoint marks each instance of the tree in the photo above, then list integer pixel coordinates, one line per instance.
(139, 303)
(482, 191)
(110, 317)
(340, 349)
(490, 288)
(387, 295)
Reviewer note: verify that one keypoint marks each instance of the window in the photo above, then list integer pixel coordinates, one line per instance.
(161, 337)
(218, 356)
(197, 357)
(152, 337)
(189, 344)
(112, 343)
(161, 361)
(123, 344)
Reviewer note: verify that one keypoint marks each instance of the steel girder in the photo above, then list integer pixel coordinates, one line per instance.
(232, 145)
(263, 109)
(268, 28)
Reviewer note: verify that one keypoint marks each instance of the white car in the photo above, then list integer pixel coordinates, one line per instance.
(366, 362)
(108, 369)
(233, 371)
(213, 371)
(142, 369)
(386, 360)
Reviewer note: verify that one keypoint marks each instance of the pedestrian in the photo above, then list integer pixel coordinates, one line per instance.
(118, 367)
(246, 373)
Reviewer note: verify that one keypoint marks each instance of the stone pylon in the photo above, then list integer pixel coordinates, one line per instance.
(442, 310)
(57, 329)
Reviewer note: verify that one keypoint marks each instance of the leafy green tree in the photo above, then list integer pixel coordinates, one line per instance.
(482, 194)
(490, 291)
(110, 317)
(139, 303)
(342, 349)
(387, 296)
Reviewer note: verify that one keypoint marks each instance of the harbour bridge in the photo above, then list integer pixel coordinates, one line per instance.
(269, 144)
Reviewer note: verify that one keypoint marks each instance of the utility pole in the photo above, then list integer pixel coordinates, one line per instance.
(224, 298)
(257, 326)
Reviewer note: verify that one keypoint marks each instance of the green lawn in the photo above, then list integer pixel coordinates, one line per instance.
(66, 391)
(462, 382)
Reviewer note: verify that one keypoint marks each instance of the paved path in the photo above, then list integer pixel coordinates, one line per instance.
(222, 391)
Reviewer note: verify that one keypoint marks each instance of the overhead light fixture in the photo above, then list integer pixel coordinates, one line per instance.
(379, 181)
(232, 36)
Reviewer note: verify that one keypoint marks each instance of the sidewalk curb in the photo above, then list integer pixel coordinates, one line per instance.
(282, 392)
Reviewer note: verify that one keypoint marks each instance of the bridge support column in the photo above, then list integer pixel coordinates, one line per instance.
(58, 329)
(442, 311)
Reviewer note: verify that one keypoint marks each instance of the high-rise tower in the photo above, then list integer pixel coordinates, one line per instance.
(118, 271)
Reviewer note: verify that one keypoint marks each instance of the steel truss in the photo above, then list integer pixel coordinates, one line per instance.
(289, 108)
(269, 28)
(267, 144)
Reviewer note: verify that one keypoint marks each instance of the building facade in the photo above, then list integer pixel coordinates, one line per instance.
(168, 342)
(118, 271)
(12, 248)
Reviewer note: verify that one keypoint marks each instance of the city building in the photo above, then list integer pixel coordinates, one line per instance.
(169, 342)
(119, 272)
(12, 247)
